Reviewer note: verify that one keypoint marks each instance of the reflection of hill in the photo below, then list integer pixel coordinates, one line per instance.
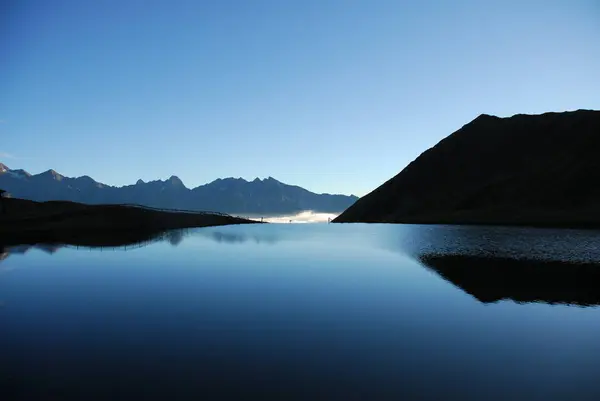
(21, 249)
(48, 248)
(126, 240)
(237, 238)
(175, 236)
(122, 240)
(490, 279)
(5, 252)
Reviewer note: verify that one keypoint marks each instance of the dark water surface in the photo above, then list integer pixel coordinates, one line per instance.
(307, 312)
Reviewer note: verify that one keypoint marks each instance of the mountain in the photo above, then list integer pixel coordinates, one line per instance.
(526, 169)
(229, 195)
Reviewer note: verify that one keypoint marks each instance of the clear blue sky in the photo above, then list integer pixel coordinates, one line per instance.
(335, 96)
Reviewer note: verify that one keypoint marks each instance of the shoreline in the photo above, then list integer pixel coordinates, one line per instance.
(581, 219)
(29, 222)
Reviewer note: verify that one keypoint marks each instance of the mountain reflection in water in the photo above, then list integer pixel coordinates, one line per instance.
(553, 266)
(491, 279)
(356, 311)
(489, 263)
(140, 239)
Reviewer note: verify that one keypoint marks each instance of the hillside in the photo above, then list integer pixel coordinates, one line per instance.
(230, 195)
(526, 169)
(28, 222)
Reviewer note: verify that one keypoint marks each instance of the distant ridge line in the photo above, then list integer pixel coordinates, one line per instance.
(231, 196)
(169, 210)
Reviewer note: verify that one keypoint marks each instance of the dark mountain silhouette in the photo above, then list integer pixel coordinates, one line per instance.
(526, 169)
(229, 195)
(65, 222)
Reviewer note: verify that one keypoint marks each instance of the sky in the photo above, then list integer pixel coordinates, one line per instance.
(336, 96)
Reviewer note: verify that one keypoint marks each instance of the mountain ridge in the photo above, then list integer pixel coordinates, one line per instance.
(229, 195)
(526, 169)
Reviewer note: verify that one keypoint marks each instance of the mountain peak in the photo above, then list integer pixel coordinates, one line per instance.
(229, 195)
(175, 181)
(86, 178)
(272, 180)
(485, 116)
(230, 179)
(22, 172)
(52, 174)
(472, 161)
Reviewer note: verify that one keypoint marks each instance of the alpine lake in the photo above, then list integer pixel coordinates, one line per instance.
(306, 312)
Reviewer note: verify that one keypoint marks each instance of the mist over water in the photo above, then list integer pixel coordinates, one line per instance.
(307, 216)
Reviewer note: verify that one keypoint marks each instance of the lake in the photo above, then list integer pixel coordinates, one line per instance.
(306, 312)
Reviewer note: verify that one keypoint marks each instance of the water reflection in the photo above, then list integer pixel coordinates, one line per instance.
(175, 236)
(49, 249)
(119, 241)
(553, 266)
(490, 263)
(3, 253)
(233, 237)
(491, 279)
(504, 242)
(138, 239)
(326, 313)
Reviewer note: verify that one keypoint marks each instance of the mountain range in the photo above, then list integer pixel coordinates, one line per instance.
(526, 169)
(230, 195)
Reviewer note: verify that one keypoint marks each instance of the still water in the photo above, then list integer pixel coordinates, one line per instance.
(307, 312)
